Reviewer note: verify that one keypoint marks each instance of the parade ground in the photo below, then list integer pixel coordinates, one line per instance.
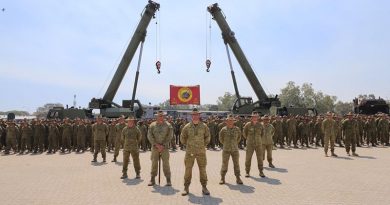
(301, 176)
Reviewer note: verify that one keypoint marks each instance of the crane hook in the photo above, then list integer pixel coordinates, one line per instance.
(158, 66)
(208, 64)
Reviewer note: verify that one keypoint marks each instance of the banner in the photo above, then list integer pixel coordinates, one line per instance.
(184, 95)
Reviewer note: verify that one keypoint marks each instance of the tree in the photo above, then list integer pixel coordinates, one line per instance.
(42, 111)
(343, 108)
(226, 101)
(166, 105)
(291, 95)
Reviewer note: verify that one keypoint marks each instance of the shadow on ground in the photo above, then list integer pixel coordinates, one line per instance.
(164, 190)
(268, 180)
(241, 187)
(203, 199)
(276, 169)
(132, 182)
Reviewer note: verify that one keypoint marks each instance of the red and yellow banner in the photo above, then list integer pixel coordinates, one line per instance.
(184, 95)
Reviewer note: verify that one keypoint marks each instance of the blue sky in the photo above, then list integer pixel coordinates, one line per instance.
(51, 50)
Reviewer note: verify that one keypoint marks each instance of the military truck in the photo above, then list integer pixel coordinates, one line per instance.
(370, 106)
(71, 113)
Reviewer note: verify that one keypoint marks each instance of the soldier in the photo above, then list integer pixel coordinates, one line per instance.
(145, 145)
(213, 132)
(292, 131)
(100, 132)
(266, 139)
(195, 136)
(230, 137)
(253, 132)
(131, 136)
(349, 131)
(53, 134)
(160, 135)
(278, 137)
(304, 132)
(26, 133)
(285, 129)
(328, 127)
(67, 131)
(39, 136)
(383, 130)
(111, 136)
(318, 132)
(81, 136)
(118, 136)
(12, 133)
(88, 134)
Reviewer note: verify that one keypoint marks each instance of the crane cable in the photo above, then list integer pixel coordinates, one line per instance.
(158, 43)
(208, 41)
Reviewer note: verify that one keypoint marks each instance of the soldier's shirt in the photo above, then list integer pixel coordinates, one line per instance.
(230, 137)
(195, 137)
(118, 130)
(160, 133)
(328, 127)
(26, 132)
(268, 133)
(348, 128)
(252, 133)
(131, 136)
(12, 132)
(100, 131)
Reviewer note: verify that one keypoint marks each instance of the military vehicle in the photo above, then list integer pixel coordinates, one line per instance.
(129, 107)
(370, 106)
(71, 113)
(245, 105)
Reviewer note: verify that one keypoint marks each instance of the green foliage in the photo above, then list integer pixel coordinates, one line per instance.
(343, 108)
(226, 101)
(16, 112)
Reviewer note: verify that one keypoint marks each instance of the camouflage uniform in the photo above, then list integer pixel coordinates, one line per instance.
(88, 135)
(383, 131)
(349, 131)
(53, 138)
(81, 131)
(131, 136)
(39, 136)
(67, 131)
(230, 138)
(145, 145)
(12, 133)
(161, 134)
(292, 131)
(213, 127)
(319, 134)
(328, 127)
(278, 136)
(195, 138)
(100, 132)
(304, 132)
(111, 137)
(118, 138)
(253, 134)
(267, 142)
(26, 133)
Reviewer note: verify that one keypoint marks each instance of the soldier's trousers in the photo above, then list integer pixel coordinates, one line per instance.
(350, 143)
(126, 158)
(117, 148)
(66, 143)
(100, 146)
(305, 139)
(53, 143)
(384, 137)
(165, 162)
(212, 141)
(267, 148)
(92, 144)
(225, 162)
(248, 157)
(189, 161)
(320, 139)
(81, 142)
(292, 137)
(11, 143)
(38, 143)
(329, 140)
(145, 143)
(25, 144)
(111, 143)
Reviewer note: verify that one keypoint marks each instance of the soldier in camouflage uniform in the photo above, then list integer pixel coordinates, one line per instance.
(81, 133)
(253, 132)
(230, 137)
(26, 133)
(89, 140)
(67, 131)
(267, 143)
(383, 130)
(145, 145)
(160, 135)
(118, 136)
(39, 136)
(304, 130)
(213, 127)
(318, 132)
(12, 133)
(328, 128)
(53, 136)
(111, 136)
(292, 131)
(195, 136)
(131, 136)
(100, 132)
(278, 136)
(349, 131)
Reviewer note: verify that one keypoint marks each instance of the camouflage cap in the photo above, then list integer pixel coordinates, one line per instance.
(130, 118)
(230, 117)
(195, 111)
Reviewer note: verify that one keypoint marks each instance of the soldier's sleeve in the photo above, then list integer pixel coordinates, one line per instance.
(170, 134)
(238, 136)
(207, 135)
(184, 135)
(222, 136)
(139, 135)
(272, 130)
(245, 131)
(150, 136)
(123, 135)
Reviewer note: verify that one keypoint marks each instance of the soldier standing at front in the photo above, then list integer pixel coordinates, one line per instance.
(230, 137)
(118, 140)
(67, 131)
(329, 130)
(100, 132)
(266, 139)
(160, 135)
(195, 136)
(253, 131)
(349, 131)
(131, 136)
(12, 133)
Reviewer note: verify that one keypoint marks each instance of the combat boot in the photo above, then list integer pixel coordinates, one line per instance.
(262, 174)
(114, 160)
(168, 181)
(222, 180)
(333, 154)
(124, 176)
(152, 181)
(271, 165)
(104, 159)
(354, 154)
(238, 180)
(205, 191)
(94, 160)
(247, 175)
(185, 191)
(137, 175)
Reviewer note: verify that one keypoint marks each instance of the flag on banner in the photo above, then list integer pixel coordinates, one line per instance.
(184, 95)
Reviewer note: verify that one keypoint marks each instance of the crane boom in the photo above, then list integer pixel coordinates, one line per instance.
(138, 37)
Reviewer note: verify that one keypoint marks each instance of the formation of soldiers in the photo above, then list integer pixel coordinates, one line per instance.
(256, 134)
